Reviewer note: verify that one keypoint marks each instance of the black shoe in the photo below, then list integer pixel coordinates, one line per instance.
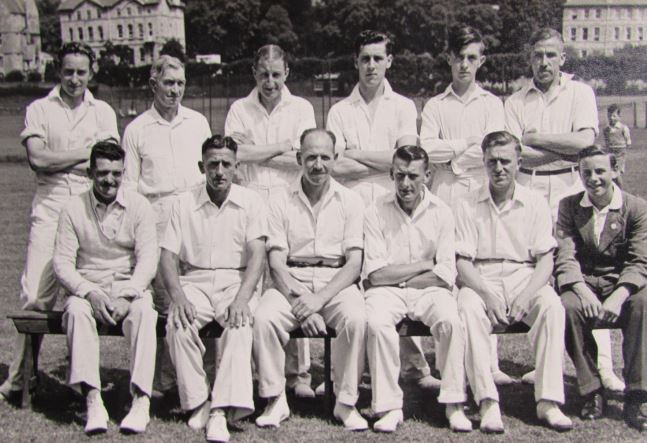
(593, 407)
(634, 417)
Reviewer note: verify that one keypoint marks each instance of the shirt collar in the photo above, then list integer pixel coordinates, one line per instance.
(55, 94)
(428, 199)
(296, 189)
(355, 96)
(476, 93)
(286, 97)
(235, 196)
(521, 194)
(120, 199)
(182, 114)
(564, 78)
(615, 204)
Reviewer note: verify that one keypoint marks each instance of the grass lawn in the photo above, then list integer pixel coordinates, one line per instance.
(58, 413)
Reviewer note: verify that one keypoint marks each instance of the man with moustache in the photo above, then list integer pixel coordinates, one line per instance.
(216, 235)
(315, 249)
(105, 257)
(504, 250)
(368, 125)
(601, 271)
(59, 131)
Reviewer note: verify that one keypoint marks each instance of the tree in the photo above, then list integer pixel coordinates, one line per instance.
(115, 64)
(276, 28)
(175, 49)
(50, 26)
(521, 19)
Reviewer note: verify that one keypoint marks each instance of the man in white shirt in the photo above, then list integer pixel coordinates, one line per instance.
(216, 236)
(105, 257)
(453, 125)
(368, 125)
(59, 131)
(411, 268)
(162, 150)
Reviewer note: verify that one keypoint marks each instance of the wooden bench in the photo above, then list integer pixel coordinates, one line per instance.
(36, 324)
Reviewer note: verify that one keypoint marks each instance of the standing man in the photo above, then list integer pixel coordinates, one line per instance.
(105, 257)
(411, 268)
(59, 131)
(315, 253)
(504, 249)
(601, 271)
(216, 235)
(267, 125)
(368, 125)
(162, 150)
(453, 126)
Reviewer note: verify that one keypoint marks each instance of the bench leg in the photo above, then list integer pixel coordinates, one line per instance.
(30, 367)
(328, 397)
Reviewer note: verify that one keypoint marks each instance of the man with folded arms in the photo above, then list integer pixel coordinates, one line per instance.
(106, 256)
(601, 271)
(411, 267)
(504, 248)
(216, 234)
(315, 255)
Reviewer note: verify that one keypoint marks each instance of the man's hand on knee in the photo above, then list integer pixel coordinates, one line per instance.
(182, 313)
(496, 310)
(591, 305)
(307, 305)
(238, 314)
(101, 306)
(120, 309)
(314, 326)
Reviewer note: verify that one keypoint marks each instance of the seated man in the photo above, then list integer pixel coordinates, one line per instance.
(411, 268)
(504, 248)
(216, 234)
(315, 255)
(601, 271)
(106, 256)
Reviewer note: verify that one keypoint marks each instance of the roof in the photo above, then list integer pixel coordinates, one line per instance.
(14, 6)
(583, 3)
(71, 5)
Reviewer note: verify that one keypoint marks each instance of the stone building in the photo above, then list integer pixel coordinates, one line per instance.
(19, 37)
(143, 25)
(601, 26)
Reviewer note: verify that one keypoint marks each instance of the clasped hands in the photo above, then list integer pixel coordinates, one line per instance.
(306, 307)
(107, 310)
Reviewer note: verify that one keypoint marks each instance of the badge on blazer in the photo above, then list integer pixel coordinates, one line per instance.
(614, 226)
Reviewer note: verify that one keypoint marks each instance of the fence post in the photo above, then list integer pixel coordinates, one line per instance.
(635, 114)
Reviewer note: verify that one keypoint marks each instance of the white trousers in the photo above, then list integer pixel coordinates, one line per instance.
(273, 322)
(436, 307)
(545, 317)
(139, 328)
(211, 292)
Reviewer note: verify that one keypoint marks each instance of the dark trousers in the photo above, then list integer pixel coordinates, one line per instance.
(581, 346)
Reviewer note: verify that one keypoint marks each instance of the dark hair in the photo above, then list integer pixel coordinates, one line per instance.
(108, 149)
(307, 132)
(270, 52)
(595, 150)
(217, 141)
(75, 48)
(500, 138)
(461, 36)
(542, 34)
(410, 153)
(613, 108)
(368, 37)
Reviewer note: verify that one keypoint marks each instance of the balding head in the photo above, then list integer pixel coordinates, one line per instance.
(316, 136)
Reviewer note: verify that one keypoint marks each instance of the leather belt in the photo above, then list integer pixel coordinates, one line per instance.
(316, 262)
(553, 172)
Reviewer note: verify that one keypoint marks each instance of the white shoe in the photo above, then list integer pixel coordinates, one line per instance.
(320, 390)
(502, 379)
(389, 421)
(491, 422)
(303, 390)
(275, 412)
(529, 377)
(455, 414)
(199, 417)
(611, 381)
(217, 426)
(349, 416)
(97, 420)
(550, 414)
(428, 382)
(138, 417)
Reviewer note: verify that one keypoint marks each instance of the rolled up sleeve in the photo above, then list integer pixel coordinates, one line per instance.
(466, 238)
(375, 247)
(445, 258)
(277, 225)
(354, 224)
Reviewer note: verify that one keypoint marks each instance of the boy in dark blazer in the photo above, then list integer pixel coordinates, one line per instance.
(601, 271)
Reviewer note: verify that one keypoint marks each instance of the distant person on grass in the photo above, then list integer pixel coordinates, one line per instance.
(617, 139)
(213, 255)
(105, 257)
(601, 271)
(267, 125)
(59, 131)
(162, 150)
(504, 249)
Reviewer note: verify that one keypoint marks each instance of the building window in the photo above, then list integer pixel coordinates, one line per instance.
(586, 13)
(641, 35)
(118, 12)
(100, 30)
(78, 15)
(142, 54)
(81, 34)
(128, 10)
(628, 33)
(140, 28)
(596, 34)
(574, 15)
(584, 53)
(98, 13)
(88, 14)
(573, 34)
(90, 33)
(120, 31)
(130, 31)
(585, 34)
(150, 29)
(598, 13)
(616, 33)
(71, 34)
